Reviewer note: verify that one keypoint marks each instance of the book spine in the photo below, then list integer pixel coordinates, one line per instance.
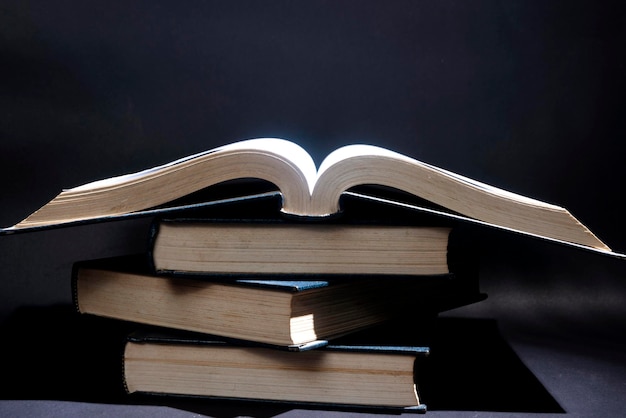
(74, 285)
(464, 258)
(152, 236)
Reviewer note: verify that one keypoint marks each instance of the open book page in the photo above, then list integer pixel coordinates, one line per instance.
(359, 151)
(280, 162)
(132, 177)
(295, 154)
(355, 165)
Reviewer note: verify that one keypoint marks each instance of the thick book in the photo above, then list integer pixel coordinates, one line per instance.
(308, 191)
(354, 373)
(188, 245)
(291, 313)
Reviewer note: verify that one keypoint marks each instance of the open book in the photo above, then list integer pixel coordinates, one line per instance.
(309, 191)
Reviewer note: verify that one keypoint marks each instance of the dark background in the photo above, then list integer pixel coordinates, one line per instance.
(525, 95)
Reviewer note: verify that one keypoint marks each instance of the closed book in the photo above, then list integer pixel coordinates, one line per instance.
(217, 246)
(354, 373)
(282, 312)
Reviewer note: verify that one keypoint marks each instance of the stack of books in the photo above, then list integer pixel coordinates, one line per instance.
(315, 293)
(272, 309)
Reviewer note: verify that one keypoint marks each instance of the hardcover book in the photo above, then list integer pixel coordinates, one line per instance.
(311, 192)
(351, 374)
(264, 247)
(292, 313)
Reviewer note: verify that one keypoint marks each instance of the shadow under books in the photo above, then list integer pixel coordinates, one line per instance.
(53, 353)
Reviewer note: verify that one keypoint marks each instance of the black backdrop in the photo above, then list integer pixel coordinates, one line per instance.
(526, 95)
